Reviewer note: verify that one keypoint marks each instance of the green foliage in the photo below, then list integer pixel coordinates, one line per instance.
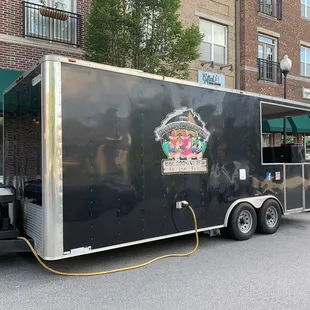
(141, 34)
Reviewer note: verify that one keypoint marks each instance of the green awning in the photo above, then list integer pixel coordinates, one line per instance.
(276, 125)
(300, 124)
(7, 77)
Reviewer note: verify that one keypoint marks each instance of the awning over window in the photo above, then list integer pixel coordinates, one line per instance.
(7, 77)
(300, 124)
(297, 124)
(276, 125)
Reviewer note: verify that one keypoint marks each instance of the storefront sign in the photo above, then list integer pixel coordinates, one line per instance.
(306, 93)
(211, 78)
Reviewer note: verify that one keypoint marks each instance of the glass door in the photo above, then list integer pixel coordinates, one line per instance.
(268, 55)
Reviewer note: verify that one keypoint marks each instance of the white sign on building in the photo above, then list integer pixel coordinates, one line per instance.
(306, 93)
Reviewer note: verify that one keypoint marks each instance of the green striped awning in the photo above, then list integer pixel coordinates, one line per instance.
(7, 77)
(297, 124)
(276, 125)
(300, 124)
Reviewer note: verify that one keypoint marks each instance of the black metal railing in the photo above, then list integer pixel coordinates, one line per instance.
(269, 71)
(271, 7)
(51, 24)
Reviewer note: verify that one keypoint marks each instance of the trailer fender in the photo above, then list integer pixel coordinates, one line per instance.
(256, 202)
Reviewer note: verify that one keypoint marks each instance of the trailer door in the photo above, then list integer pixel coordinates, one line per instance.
(294, 187)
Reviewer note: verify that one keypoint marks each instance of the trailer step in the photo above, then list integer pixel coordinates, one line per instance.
(14, 246)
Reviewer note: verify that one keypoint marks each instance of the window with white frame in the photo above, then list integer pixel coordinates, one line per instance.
(213, 46)
(305, 8)
(267, 58)
(45, 27)
(65, 5)
(267, 47)
(304, 61)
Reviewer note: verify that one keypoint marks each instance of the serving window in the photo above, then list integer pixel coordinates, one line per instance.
(283, 134)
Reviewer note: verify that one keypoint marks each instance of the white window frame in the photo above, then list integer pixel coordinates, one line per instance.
(304, 3)
(268, 71)
(50, 3)
(211, 42)
(265, 44)
(304, 63)
(42, 26)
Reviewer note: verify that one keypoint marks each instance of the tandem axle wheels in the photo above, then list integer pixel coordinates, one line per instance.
(244, 220)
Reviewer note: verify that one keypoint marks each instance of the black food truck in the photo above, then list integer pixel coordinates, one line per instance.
(98, 157)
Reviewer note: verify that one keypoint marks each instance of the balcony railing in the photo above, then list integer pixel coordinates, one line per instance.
(269, 71)
(271, 7)
(51, 24)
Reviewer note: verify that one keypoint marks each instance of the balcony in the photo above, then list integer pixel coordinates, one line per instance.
(51, 24)
(269, 71)
(272, 8)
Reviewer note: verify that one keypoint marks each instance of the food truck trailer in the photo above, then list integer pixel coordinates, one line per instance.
(98, 157)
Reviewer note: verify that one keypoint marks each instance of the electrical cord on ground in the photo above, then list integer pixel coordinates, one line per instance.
(120, 269)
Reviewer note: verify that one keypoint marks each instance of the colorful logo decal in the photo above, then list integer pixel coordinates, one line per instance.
(184, 138)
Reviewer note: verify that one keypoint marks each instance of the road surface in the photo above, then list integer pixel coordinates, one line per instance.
(265, 272)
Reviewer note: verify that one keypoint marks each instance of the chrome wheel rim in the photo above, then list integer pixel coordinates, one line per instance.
(271, 217)
(245, 221)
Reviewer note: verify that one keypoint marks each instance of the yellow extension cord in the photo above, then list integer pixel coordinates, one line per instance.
(120, 269)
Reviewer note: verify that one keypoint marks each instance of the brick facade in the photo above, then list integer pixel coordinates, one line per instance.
(290, 33)
(20, 57)
(11, 13)
(20, 53)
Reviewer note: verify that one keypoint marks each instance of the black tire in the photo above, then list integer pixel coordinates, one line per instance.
(269, 217)
(242, 222)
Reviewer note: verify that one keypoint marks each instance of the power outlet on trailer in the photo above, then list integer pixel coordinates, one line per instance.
(182, 204)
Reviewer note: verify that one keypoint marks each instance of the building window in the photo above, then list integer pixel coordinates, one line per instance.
(268, 67)
(271, 7)
(305, 61)
(214, 42)
(305, 8)
(41, 22)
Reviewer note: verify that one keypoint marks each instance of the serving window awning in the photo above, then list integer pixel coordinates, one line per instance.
(296, 124)
(7, 77)
(297, 118)
(276, 125)
(300, 124)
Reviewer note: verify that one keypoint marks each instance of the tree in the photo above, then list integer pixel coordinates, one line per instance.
(141, 34)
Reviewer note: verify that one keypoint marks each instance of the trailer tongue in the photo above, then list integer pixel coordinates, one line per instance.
(102, 157)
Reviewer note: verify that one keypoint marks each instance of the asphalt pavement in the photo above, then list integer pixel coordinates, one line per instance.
(265, 272)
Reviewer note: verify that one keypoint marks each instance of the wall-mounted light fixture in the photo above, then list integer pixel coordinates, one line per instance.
(207, 62)
(231, 67)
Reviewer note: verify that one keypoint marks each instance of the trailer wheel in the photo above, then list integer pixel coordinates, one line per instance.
(242, 222)
(269, 217)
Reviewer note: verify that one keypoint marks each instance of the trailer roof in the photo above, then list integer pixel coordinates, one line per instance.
(291, 103)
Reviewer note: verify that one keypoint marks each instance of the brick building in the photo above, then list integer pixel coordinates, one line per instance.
(27, 33)
(269, 30)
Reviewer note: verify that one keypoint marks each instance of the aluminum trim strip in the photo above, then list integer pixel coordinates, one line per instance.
(294, 211)
(131, 243)
(303, 188)
(52, 160)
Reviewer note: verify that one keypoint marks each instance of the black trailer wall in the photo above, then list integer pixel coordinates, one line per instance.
(114, 191)
(22, 137)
